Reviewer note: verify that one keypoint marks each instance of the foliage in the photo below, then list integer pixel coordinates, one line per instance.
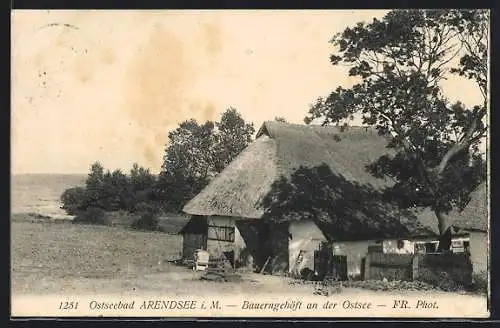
(444, 281)
(111, 191)
(328, 198)
(196, 153)
(480, 282)
(95, 183)
(92, 215)
(400, 62)
(116, 193)
(280, 119)
(74, 200)
(472, 28)
(233, 135)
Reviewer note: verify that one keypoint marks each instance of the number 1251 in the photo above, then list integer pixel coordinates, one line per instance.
(68, 305)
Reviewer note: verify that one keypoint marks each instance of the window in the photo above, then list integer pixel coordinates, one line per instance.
(458, 246)
(431, 247)
(221, 233)
(420, 248)
(425, 247)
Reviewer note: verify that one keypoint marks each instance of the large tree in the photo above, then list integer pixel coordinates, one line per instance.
(400, 62)
(188, 163)
(233, 135)
(196, 153)
(95, 183)
(142, 187)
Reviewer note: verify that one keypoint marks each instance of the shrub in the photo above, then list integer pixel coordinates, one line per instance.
(480, 282)
(147, 221)
(74, 200)
(442, 280)
(92, 215)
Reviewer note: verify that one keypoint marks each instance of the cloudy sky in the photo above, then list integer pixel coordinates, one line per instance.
(108, 86)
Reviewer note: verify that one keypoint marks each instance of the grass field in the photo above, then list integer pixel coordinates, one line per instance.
(47, 252)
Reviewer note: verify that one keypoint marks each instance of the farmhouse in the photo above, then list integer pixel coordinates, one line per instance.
(297, 187)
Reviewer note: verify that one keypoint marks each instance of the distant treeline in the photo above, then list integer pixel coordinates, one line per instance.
(113, 191)
(194, 155)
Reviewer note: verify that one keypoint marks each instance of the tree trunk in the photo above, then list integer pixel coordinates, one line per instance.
(445, 232)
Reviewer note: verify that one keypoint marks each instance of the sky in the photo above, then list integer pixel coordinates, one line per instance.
(108, 86)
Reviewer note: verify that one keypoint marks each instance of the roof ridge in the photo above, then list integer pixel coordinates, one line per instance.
(317, 125)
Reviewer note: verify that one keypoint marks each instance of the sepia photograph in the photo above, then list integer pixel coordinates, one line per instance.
(250, 163)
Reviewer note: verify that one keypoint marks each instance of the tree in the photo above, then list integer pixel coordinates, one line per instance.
(232, 136)
(400, 61)
(113, 191)
(280, 119)
(142, 188)
(141, 178)
(116, 192)
(95, 182)
(196, 153)
(188, 163)
(74, 200)
(472, 28)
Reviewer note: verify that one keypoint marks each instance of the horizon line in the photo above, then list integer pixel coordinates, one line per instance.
(49, 173)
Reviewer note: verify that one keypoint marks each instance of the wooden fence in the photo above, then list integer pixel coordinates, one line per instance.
(423, 267)
(389, 266)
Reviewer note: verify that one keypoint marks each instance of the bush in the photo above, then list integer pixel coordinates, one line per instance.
(147, 221)
(442, 280)
(92, 215)
(480, 282)
(74, 200)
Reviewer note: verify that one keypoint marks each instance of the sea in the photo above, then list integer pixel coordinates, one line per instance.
(41, 193)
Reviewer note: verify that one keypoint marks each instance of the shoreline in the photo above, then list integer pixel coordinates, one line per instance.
(38, 217)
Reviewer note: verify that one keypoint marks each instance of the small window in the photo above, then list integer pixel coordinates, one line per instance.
(221, 233)
(457, 246)
(419, 248)
(430, 247)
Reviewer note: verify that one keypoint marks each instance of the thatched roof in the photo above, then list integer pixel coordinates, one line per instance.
(475, 215)
(346, 151)
(239, 189)
(280, 151)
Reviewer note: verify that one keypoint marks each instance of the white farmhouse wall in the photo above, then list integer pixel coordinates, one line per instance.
(479, 251)
(304, 236)
(355, 251)
(217, 247)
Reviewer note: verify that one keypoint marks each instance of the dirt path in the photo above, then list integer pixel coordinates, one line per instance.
(180, 281)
